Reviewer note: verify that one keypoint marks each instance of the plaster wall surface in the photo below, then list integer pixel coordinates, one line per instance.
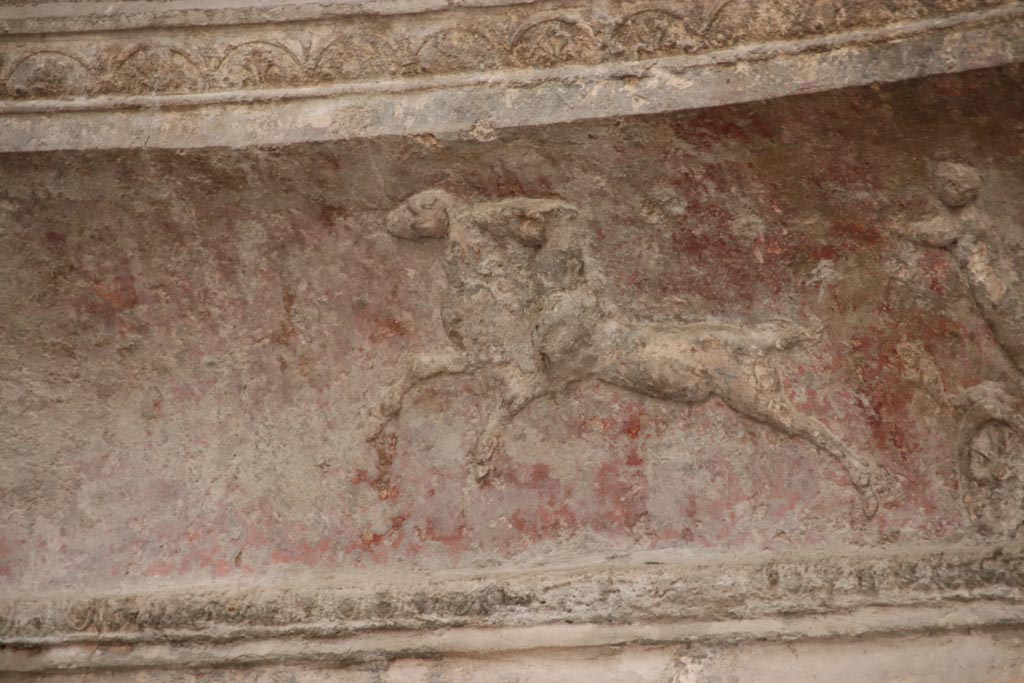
(764, 360)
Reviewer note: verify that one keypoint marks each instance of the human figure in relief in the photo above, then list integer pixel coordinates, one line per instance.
(990, 449)
(520, 307)
(995, 281)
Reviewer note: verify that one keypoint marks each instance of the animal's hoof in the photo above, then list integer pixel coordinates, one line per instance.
(482, 455)
(373, 426)
(869, 502)
(874, 485)
(481, 472)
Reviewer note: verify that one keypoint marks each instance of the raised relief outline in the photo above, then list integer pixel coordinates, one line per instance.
(521, 307)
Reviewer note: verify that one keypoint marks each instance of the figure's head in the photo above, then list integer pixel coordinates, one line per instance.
(424, 215)
(956, 184)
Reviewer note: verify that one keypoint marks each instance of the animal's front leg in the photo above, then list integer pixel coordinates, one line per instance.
(417, 369)
(518, 391)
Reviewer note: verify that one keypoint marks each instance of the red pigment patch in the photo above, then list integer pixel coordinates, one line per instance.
(372, 543)
(889, 398)
(381, 328)
(160, 569)
(716, 263)
(937, 266)
(113, 295)
(456, 540)
(542, 512)
(708, 129)
(856, 231)
(309, 554)
(387, 448)
(824, 252)
(632, 425)
(6, 555)
(621, 495)
(55, 241)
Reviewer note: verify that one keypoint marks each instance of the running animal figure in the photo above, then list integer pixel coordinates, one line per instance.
(520, 308)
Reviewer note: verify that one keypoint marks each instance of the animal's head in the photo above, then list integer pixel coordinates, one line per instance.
(425, 215)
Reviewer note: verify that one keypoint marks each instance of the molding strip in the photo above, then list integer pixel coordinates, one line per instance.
(387, 646)
(709, 601)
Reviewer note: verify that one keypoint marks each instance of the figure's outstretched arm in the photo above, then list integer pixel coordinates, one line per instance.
(417, 369)
(956, 186)
(940, 230)
(532, 222)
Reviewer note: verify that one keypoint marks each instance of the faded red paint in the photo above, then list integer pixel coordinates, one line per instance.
(710, 130)
(386, 448)
(856, 231)
(540, 507)
(621, 497)
(380, 328)
(114, 295)
(632, 425)
(55, 241)
(309, 554)
(455, 540)
(939, 268)
(371, 543)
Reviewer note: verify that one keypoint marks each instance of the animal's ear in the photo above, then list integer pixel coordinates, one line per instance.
(424, 215)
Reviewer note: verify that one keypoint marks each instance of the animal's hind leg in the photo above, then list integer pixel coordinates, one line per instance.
(762, 398)
(418, 369)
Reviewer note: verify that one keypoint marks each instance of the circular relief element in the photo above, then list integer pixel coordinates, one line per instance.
(554, 42)
(48, 74)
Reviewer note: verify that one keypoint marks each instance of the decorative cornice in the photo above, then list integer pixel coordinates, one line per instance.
(184, 110)
(378, 649)
(214, 59)
(446, 71)
(799, 597)
(88, 16)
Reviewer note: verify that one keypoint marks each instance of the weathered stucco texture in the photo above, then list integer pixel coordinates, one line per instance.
(934, 659)
(194, 345)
